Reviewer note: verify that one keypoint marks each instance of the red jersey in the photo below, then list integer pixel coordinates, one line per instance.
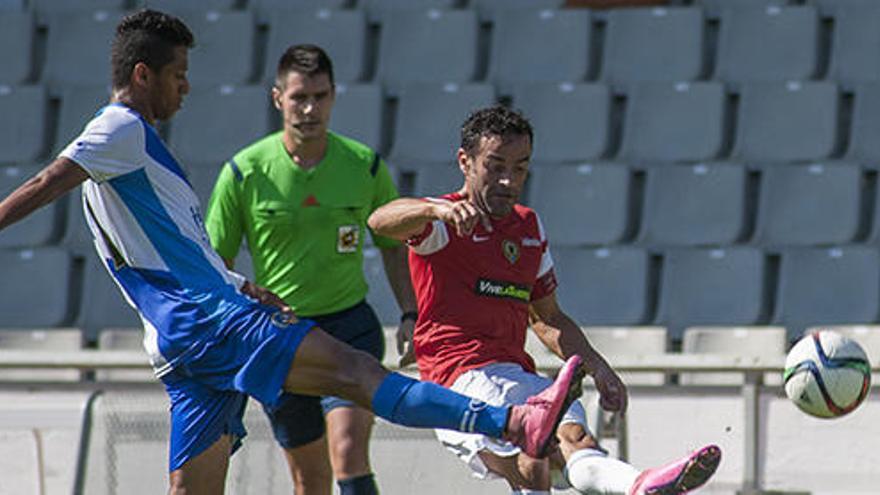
(474, 292)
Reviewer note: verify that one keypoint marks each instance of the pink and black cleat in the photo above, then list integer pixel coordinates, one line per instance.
(532, 426)
(680, 476)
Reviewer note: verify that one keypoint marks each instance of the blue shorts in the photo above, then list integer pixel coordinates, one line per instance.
(209, 392)
(299, 419)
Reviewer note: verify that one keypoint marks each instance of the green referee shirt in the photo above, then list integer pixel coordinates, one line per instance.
(304, 228)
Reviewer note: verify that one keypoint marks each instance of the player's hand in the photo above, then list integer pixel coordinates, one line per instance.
(463, 216)
(612, 391)
(405, 343)
(265, 297)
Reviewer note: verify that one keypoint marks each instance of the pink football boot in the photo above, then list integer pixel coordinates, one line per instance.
(680, 476)
(532, 426)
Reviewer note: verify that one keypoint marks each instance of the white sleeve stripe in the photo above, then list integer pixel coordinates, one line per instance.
(436, 240)
(546, 263)
(541, 233)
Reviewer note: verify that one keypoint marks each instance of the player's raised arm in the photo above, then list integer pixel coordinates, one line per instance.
(57, 178)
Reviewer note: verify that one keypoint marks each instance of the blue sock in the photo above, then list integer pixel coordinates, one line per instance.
(360, 485)
(418, 404)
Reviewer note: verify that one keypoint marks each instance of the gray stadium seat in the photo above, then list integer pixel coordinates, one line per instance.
(35, 292)
(178, 7)
(768, 44)
(267, 9)
(77, 48)
(40, 228)
(78, 106)
(766, 342)
(202, 177)
(341, 33)
(216, 122)
(104, 306)
(670, 122)
(436, 179)
(792, 121)
(517, 59)
(629, 342)
(55, 339)
(378, 10)
(123, 339)
(24, 111)
(12, 5)
(77, 237)
(864, 146)
(832, 7)
(695, 205)
(359, 113)
(605, 286)
(17, 36)
(818, 286)
(490, 9)
(582, 204)
(418, 138)
(427, 46)
(571, 122)
(219, 57)
(380, 295)
(809, 205)
(65, 7)
(718, 286)
(653, 44)
(714, 7)
(855, 44)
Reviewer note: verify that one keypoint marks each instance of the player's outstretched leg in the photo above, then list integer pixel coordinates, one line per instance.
(680, 476)
(326, 366)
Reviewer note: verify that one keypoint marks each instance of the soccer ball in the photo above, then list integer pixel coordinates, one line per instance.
(827, 375)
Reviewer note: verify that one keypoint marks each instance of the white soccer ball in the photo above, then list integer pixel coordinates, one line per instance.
(827, 374)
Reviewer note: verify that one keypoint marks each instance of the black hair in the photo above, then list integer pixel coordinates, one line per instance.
(493, 121)
(308, 60)
(146, 36)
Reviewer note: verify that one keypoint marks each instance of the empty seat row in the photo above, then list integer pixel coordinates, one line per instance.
(659, 44)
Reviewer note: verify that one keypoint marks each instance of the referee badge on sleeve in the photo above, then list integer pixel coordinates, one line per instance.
(347, 237)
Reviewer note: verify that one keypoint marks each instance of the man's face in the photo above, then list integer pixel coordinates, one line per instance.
(497, 171)
(169, 86)
(305, 103)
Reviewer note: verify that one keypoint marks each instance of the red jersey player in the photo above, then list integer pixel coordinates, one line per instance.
(482, 272)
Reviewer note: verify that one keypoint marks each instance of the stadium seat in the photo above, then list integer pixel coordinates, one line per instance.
(818, 286)
(378, 10)
(794, 121)
(516, 58)
(123, 339)
(215, 123)
(47, 8)
(202, 177)
(809, 205)
(359, 113)
(582, 204)
(268, 9)
(77, 47)
(864, 146)
(436, 179)
(714, 7)
(605, 286)
(695, 205)
(764, 341)
(434, 139)
(24, 111)
(77, 237)
(717, 286)
(832, 7)
(571, 122)
(12, 5)
(653, 44)
(490, 9)
(55, 339)
(768, 44)
(630, 342)
(673, 122)
(868, 336)
(104, 306)
(78, 105)
(218, 58)
(17, 36)
(177, 7)
(427, 46)
(380, 295)
(35, 292)
(855, 43)
(341, 33)
(42, 227)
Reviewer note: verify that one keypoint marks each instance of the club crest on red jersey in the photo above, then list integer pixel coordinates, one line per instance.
(511, 250)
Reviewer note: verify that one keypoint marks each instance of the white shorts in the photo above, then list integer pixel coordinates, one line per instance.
(500, 384)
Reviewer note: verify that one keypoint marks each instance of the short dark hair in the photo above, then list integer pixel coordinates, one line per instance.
(496, 120)
(308, 60)
(146, 36)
